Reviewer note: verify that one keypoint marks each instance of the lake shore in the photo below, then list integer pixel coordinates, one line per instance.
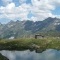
(3, 57)
(31, 44)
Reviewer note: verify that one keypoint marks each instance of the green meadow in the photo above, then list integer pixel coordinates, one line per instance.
(32, 44)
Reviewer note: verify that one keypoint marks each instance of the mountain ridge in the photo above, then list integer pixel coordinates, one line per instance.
(26, 28)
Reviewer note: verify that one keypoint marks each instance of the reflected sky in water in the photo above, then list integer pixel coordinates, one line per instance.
(49, 54)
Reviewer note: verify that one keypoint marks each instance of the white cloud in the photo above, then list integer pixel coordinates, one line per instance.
(41, 9)
(13, 12)
(34, 18)
(54, 2)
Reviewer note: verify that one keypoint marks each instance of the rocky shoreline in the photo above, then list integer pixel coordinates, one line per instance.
(3, 57)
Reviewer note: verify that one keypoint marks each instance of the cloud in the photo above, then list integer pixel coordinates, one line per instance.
(40, 9)
(54, 2)
(13, 12)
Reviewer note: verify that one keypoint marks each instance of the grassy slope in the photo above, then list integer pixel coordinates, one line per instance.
(22, 44)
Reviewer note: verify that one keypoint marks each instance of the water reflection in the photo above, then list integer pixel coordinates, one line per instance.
(49, 54)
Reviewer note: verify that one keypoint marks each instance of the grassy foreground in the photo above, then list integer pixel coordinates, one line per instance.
(32, 44)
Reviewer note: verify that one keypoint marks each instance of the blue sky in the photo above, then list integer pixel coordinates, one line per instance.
(35, 10)
(56, 11)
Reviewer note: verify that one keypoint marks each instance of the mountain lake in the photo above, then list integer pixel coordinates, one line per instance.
(49, 54)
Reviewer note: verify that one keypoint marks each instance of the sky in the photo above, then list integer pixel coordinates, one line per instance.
(34, 10)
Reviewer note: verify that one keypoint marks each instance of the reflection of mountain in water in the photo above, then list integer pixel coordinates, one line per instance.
(49, 54)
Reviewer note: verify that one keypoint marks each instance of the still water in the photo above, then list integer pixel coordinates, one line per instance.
(49, 54)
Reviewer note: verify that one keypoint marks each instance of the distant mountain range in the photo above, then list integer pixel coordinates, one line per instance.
(19, 29)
